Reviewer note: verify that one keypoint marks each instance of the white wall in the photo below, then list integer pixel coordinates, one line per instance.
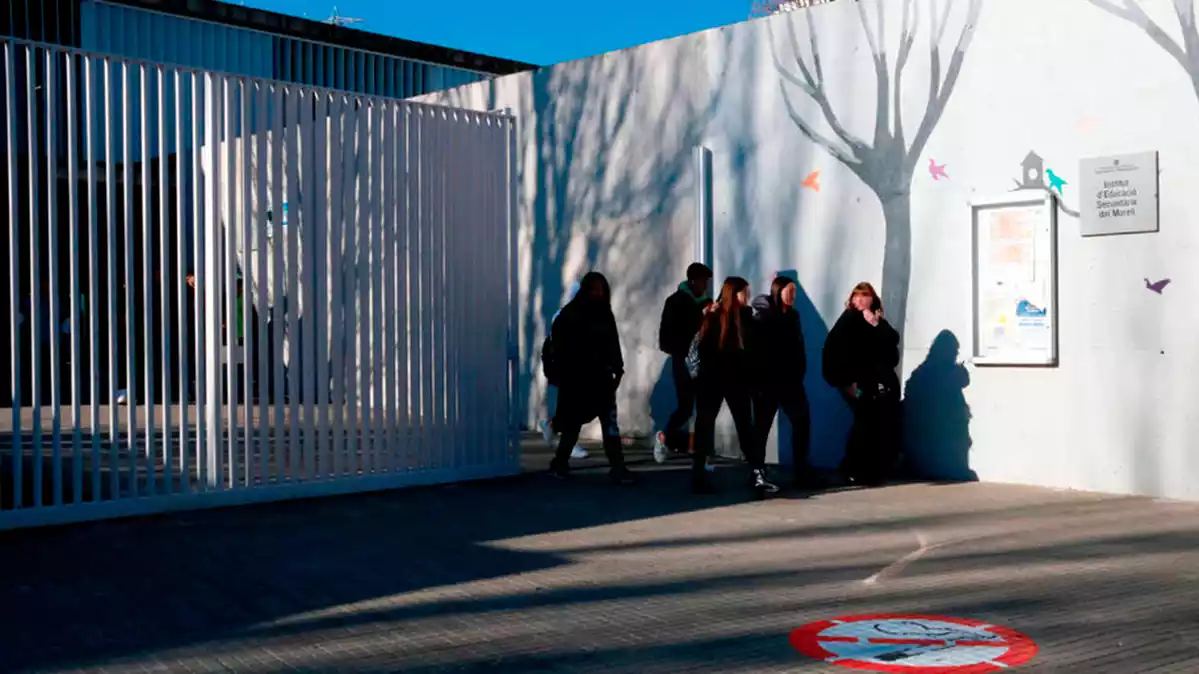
(608, 185)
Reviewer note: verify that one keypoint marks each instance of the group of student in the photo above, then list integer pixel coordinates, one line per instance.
(748, 354)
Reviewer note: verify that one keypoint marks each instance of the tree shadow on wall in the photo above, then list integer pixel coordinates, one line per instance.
(612, 162)
(936, 416)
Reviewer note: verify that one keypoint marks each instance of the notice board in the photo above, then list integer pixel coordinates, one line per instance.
(1015, 280)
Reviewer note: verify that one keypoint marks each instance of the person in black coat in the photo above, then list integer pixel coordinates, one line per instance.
(723, 366)
(682, 315)
(782, 364)
(587, 367)
(860, 357)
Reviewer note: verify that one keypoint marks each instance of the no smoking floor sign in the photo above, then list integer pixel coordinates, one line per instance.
(914, 644)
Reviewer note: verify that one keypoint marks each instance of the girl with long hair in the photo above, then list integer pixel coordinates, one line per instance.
(725, 374)
(860, 357)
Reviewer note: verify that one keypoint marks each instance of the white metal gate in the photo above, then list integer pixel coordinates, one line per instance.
(358, 254)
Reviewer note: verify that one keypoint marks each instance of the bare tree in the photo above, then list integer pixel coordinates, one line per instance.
(887, 161)
(1186, 52)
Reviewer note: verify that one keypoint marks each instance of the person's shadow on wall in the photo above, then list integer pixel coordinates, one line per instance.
(936, 417)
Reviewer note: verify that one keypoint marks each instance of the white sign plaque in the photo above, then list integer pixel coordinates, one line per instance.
(1118, 194)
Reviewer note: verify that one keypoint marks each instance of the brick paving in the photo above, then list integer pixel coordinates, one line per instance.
(531, 575)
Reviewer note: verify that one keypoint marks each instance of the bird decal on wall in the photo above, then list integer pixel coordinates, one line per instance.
(1157, 286)
(937, 171)
(1056, 182)
(812, 182)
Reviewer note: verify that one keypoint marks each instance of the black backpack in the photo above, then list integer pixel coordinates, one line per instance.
(549, 366)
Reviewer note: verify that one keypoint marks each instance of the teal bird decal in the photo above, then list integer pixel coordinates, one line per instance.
(1056, 182)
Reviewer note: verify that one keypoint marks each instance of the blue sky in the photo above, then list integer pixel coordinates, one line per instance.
(537, 31)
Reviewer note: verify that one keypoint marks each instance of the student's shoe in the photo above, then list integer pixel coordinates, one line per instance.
(661, 452)
(578, 453)
(547, 432)
(762, 484)
(700, 484)
(560, 472)
(623, 477)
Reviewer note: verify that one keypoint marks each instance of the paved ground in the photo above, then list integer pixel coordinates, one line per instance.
(529, 575)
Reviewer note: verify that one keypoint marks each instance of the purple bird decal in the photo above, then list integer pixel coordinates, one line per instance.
(937, 171)
(1157, 287)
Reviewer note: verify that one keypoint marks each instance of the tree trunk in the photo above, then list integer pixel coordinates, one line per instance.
(897, 256)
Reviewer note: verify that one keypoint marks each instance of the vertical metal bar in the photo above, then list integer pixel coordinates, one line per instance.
(228, 234)
(181, 288)
(363, 270)
(378, 447)
(14, 268)
(93, 264)
(337, 154)
(164, 285)
(110, 321)
(35, 276)
(512, 186)
(416, 210)
(388, 136)
(404, 176)
(129, 280)
(447, 305)
(508, 228)
(209, 286)
(318, 234)
(245, 216)
(351, 176)
(147, 312)
(310, 315)
(470, 304)
(278, 320)
(436, 292)
(199, 110)
(429, 212)
(50, 82)
(292, 198)
(261, 278)
(73, 233)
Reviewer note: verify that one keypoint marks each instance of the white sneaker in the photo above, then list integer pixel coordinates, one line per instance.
(578, 453)
(660, 450)
(708, 466)
(547, 432)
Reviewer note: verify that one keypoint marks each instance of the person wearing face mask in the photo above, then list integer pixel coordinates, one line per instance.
(860, 356)
(782, 365)
(588, 367)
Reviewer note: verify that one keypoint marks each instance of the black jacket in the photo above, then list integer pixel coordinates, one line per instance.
(728, 365)
(856, 352)
(586, 344)
(779, 346)
(681, 317)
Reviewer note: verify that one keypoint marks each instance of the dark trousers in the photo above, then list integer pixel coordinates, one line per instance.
(793, 401)
(578, 405)
(873, 444)
(684, 388)
(709, 396)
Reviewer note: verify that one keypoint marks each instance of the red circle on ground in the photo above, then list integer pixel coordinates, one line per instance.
(914, 643)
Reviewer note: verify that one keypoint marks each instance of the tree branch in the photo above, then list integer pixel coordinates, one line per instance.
(911, 21)
(1131, 11)
(813, 86)
(940, 89)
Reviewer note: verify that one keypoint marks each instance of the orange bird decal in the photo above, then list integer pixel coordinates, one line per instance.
(812, 181)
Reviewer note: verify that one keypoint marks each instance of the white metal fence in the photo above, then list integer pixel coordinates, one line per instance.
(357, 253)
